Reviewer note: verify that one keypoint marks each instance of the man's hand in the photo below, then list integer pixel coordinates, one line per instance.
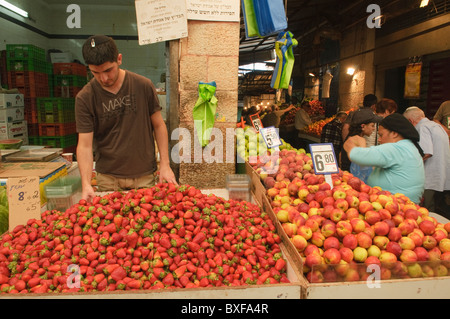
(166, 174)
(88, 193)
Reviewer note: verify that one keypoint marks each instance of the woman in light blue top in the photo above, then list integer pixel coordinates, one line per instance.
(397, 161)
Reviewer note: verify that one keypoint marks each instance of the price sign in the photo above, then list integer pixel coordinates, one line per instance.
(24, 200)
(271, 137)
(256, 122)
(323, 158)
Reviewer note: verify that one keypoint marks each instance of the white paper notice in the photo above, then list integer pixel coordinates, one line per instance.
(161, 20)
(213, 10)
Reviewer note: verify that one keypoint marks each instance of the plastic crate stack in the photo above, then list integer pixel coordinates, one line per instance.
(68, 79)
(29, 72)
(56, 116)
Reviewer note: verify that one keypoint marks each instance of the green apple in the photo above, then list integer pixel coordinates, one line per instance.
(360, 254)
(374, 251)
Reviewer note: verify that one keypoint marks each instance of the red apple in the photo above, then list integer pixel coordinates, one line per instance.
(315, 276)
(350, 241)
(406, 243)
(352, 213)
(358, 225)
(346, 254)
(380, 241)
(429, 242)
(299, 221)
(392, 207)
(394, 247)
(427, 227)
(352, 201)
(439, 234)
(444, 245)
(341, 203)
(385, 214)
(343, 227)
(337, 215)
(387, 258)
(317, 238)
(422, 254)
(417, 239)
(331, 242)
(447, 227)
(394, 234)
(328, 228)
(290, 229)
(311, 249)
(397, 219)
(411, 214)
(364, 240)
(313, 260)
(406, 227)
(332, 256)
(373, 260)
(299, 242)
(312, 224)
(305, 231)
(445, 257)
(328, 201)
(372, 217)
(365, 206)
(408, 255)
(319, 196)
(381, 228)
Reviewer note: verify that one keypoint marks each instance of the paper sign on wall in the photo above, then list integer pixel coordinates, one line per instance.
(213, 10)
(161, 20)
(24, 200)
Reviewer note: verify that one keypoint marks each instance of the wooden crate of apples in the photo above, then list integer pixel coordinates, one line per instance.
(340, 231)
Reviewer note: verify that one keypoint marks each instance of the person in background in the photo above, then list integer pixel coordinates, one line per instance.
(332, 133)
(397, 161)
(383, 108)
(118, 117)
(302, 120)
(434, 143)
(369, 102)
(363, 124)
(442, 116)
(273, 118)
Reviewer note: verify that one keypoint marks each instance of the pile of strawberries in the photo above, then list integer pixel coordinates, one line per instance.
(166, 236)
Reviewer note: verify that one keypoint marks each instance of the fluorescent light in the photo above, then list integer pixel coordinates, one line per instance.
(424, 3)
(351, 71)
(13, 8)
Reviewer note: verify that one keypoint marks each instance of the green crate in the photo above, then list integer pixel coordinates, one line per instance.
(24, 51)
(30, 64)
(56, 110)
(34, 140)
(59, 141)
(69, 80)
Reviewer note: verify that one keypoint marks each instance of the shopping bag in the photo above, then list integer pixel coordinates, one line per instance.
(271, 16)
(251, 26)
(204, 111)
(281, 77)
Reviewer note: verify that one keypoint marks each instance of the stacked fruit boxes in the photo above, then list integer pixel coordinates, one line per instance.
(29, 72)
(56, 116)
(68, 79)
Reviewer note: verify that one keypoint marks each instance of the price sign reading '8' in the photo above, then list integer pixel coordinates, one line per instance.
(24, 200)
(323, 158)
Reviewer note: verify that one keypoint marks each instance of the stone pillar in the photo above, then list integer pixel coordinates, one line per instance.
(209, 53)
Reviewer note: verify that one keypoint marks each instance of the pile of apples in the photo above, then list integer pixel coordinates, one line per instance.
(340, 230)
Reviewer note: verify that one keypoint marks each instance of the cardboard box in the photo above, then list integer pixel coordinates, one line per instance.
(62, 57)
(12, 114)
(15, 129)
(11, 100)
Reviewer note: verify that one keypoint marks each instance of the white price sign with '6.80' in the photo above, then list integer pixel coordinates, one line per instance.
(324, 159)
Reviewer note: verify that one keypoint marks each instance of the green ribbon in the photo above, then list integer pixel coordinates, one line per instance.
(284, 45)
(204, 112)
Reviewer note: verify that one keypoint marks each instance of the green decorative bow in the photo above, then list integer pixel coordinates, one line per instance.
(205, 111)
